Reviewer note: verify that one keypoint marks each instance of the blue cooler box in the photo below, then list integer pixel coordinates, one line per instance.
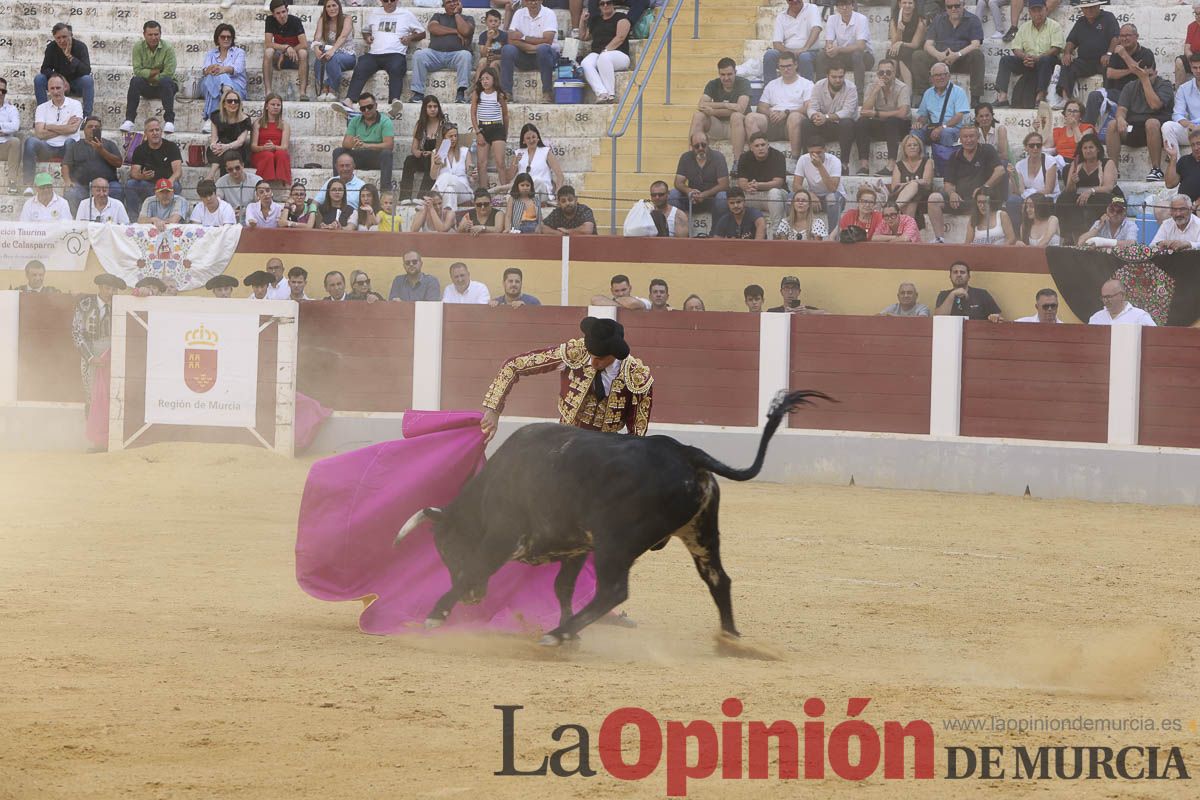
(568, 92)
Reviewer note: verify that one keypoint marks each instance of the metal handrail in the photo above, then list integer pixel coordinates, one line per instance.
(632, 96)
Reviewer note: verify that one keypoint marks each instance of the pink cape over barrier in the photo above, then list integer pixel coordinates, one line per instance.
(356, 502)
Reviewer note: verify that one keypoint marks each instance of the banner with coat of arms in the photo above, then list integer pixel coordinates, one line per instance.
(186, 255)
(201, 369)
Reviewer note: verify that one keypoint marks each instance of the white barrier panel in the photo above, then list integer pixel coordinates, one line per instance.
(61, 246)
(10, 325)
(201, 369)
(202, 365)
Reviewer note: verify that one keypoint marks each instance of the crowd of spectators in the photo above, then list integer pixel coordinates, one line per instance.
(818, 91)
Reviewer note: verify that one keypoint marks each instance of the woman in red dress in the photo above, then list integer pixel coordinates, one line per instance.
(269, 143)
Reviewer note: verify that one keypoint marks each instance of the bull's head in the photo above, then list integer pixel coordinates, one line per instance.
(452, 543)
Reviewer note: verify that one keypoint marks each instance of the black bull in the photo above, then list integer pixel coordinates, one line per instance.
(556, 493)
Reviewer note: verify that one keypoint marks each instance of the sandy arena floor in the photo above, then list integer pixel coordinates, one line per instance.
(154, 643)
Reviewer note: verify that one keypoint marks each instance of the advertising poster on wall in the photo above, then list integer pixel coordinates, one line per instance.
(201, 369)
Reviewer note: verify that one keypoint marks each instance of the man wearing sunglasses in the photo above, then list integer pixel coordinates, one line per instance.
(701, 179)
(369, 139)
(1046, 306)
(414, 284)
(954, 39)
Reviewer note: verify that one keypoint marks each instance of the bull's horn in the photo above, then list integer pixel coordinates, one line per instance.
(413, 521)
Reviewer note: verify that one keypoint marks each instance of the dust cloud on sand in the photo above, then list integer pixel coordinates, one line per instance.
(155, 643)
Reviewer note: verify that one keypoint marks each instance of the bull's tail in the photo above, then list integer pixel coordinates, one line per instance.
(783, 404)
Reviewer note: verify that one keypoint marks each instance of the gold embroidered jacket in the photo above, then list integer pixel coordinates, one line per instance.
(626, 406)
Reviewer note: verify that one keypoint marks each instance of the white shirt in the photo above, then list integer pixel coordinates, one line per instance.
(609, 374)
(533, 27)
(1129, 314)
(1034, 318)
(224, 215)
(113, 212)
(271, 220)
(476, 294)
(1169, 231)
(781, 96)
(812, 178)
(10, 121)
(844, 34)
(57, 211)
(51, 114)
(280, 291)
(794, 31)
(387, 29)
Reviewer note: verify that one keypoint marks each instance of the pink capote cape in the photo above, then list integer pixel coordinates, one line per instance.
(353, 506)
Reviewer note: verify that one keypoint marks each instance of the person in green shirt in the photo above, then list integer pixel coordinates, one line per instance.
(1036, 48)
(153, 76)
(370, 139)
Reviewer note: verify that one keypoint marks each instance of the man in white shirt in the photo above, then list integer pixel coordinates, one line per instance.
(1046, 305)
(45, 206)
(464, 290)
(848, 38)
(99, 207)
(211, 211)
(797, 29)
(55, 123)
(265, 213)
(10, 139)
(1117, 309)
(1182, 230)
(782, 106)
(622, 295)
(388, 33)
(279, 288)
(822, 172)
(530, 46)
(1185, 116)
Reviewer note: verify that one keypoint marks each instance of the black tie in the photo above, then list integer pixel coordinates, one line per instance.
(598, 385)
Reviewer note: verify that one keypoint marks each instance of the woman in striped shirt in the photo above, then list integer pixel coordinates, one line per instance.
(489, 118)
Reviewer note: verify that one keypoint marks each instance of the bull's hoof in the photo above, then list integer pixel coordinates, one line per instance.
(433, 622)
(563, 640)
(621, 620)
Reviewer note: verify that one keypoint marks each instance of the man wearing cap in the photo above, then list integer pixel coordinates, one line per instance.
(602, 387)
(164, 208)
(1117, 309)
(1036, 49)
(259, 282)
(45, 205)
(789, 289)
(35, 279)
(1144, 105)
(1045, 304)
(222, 286)
(91, 330)
(1114, 228)
(153, 160)
(1090, 45)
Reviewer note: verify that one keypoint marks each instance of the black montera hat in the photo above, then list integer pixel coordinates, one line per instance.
(258, 278)
(221, 282)
(604, 337)
(105, 279)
